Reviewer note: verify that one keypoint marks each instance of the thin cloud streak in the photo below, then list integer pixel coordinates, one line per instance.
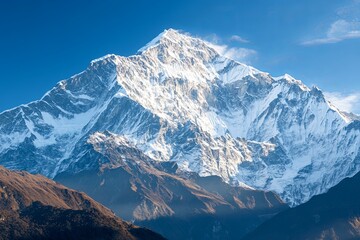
(346, 27)
(237, 38)
(339, 31)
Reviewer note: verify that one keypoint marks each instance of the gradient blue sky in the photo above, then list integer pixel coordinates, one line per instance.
(316, 41)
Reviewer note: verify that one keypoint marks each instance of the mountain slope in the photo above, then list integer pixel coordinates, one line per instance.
(34, 207)
(154, 195)
(179, 100)
(332, 215)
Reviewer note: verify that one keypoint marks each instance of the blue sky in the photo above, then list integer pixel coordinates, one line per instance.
(316, 41)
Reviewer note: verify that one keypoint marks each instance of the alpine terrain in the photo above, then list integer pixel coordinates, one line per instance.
(332, 215)
(153, 195)
(178, 101)
(34, 207)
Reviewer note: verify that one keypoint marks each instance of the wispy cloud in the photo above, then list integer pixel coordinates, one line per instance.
(241, 54)
(244, 55)
(237, 38)
(345, 102)
(346, 27)
(339, 30)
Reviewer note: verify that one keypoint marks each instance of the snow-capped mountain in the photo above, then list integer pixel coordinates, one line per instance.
(179, 100)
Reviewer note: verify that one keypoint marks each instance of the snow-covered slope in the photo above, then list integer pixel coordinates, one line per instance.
(179, 100)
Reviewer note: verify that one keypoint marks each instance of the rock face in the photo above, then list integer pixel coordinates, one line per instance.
(157, 196)
(332, 215)
(178, 100)
(34, 207)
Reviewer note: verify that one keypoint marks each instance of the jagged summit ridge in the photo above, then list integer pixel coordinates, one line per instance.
(180, 100)
(167, 33)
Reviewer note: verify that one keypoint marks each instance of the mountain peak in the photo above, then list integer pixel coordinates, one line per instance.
(167, 33)
(107, 56)
(291, 79)
(176, 40)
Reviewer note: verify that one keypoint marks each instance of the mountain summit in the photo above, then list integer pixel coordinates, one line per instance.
(179, 100)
